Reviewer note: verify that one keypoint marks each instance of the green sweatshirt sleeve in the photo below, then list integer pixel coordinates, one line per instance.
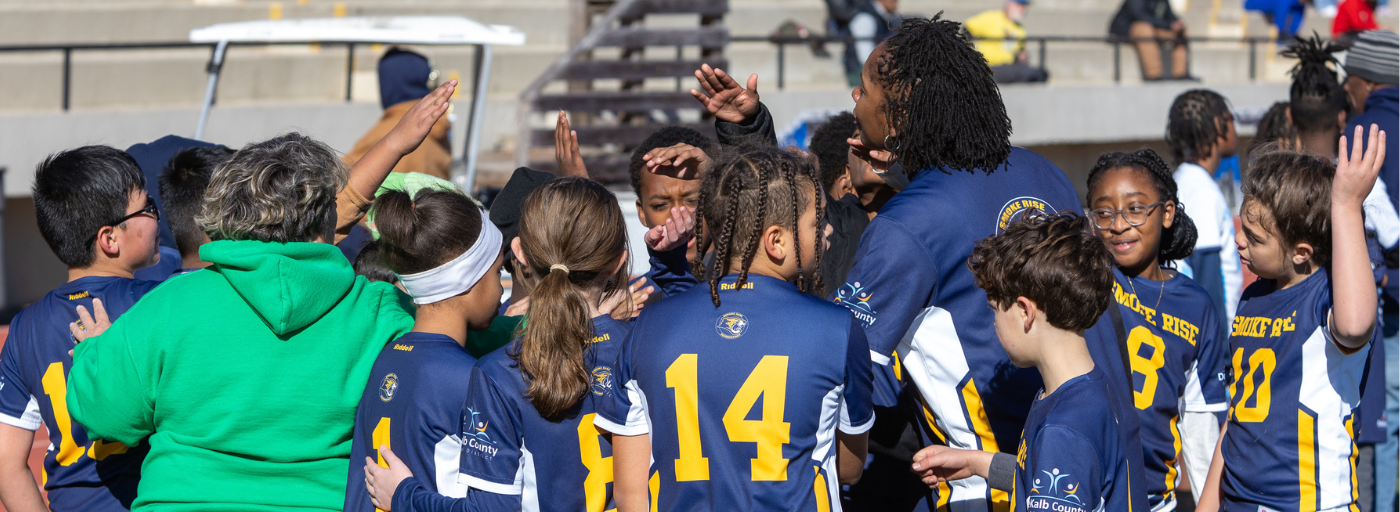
(106, 392)
(501, 332)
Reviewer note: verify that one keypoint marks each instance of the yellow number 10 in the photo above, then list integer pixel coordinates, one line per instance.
(769, 380)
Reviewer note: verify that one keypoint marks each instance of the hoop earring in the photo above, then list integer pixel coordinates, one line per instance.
(893, 148)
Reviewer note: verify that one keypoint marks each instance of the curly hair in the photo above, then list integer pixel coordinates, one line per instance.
(1316, 96)
(1178, 241)
(278, 190)
(1197, 119)
(944, 107)
(746, 191)
(830, 147)
(1054, 261)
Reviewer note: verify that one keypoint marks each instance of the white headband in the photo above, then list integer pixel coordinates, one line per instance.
(458, 275)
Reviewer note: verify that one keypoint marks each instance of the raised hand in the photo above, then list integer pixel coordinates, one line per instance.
(682, 161)
(518, 308)
(382, 482)
(620, 308)
(90, 326)
(566, 153)
(677, 231)
(419, 120)
(1357, 172)
(724, 98)
(878, 159)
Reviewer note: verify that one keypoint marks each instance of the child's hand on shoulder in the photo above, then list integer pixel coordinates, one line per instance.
(381, 482)
(937, 464)
(679, 230)
(87, 325)
(420, 118)
(1357, 172)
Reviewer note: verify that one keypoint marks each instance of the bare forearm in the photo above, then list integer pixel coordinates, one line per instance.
(1209, 501)
(631, 464)
(850, 458)
(369, 172)
(1353, 283)
(18, 490)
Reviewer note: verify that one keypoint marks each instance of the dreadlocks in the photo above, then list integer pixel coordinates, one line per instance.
(943, 105)
(1178, 241)
(1197, 119)
(744, 193)
(1315, 97)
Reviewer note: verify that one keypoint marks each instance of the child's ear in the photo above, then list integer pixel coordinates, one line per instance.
(1027, 309)
(1301, 253)
(106, 242)
(518, 254)
(774, 243)
(1168, 216)
(621, 261)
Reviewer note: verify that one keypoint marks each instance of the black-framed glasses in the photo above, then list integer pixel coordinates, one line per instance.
(1134, 215)
(150, 209)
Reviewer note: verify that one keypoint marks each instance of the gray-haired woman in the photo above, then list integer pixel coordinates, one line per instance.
(244, 377)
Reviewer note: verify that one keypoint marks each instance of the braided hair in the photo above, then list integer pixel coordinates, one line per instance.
(1197, 119)
(943, 106)
(1178, 241)
(1316, 96)
(744, 193)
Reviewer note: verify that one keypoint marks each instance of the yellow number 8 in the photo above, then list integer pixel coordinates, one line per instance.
(1148, 367)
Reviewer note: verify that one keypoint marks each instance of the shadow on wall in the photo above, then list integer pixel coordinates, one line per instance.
(31, 269)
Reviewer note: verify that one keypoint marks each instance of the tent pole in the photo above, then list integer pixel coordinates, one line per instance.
(216, 62)
(482, 67)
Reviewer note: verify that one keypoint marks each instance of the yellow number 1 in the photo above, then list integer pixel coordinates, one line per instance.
(768, 380)
(56, 387)
(681, 375)
(380, 437)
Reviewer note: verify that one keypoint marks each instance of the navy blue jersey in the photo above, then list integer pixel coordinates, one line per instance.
(79, 473)
(742, 402)
(1179, 365)
(1073, 455)
(669, 273)
(502, 433)
(1289, 441)
(911, 289)
(412, 404)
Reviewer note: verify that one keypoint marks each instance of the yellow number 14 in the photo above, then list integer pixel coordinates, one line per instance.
(768, 380)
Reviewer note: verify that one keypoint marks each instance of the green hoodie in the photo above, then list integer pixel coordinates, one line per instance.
(245, 377)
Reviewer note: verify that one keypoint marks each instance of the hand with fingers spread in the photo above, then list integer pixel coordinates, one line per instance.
(382, 482)
(618, 305)
(677, 231)
(1357, 172)
(878, 159)
(682, 161)
(89, 325)
(937, 464)
(518, 308)
(419, 120)
(725, 98)
(566, 153)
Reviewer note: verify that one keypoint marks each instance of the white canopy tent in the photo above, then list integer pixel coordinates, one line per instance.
(416, 30)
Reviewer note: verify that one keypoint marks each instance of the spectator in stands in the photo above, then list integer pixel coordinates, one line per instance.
(1154, 29)
(1373, 70)
(874, 21)
(1001, 39)
(405, 77)
(1286, 15)
(182, 185)
(1353, 17)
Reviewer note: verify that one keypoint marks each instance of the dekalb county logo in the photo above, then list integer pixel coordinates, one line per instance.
(474, 434)
(388, 387)
(1055, 492)
(856, 299)
(602, 380)
(731, 325)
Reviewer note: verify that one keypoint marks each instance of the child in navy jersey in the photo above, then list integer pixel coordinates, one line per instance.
(93, 211)
(1047, 280)
(447, 257)
(527, 424)
(1174, 346)
(746, 393)
(1299, 342)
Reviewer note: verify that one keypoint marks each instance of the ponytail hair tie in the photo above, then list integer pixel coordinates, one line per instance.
(558, 266)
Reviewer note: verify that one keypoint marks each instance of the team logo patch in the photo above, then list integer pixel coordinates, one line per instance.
(602, 380)
(857, 299)
(1055, 491)
(474, 435)
(1018, 208)
(731, 325)
(388, 387)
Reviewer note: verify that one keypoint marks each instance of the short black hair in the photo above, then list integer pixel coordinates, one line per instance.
(367, 263)
(182, 184)
(1316, 95)
(79, 191)
(665, 137)
(1196, 120)
(942, 103)
(1053, 260)
(830, 147)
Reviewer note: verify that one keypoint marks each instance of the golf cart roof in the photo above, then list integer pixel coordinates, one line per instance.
(368, 29)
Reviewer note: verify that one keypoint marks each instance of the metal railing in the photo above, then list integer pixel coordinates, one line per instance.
(1039, 41)
(68, 49)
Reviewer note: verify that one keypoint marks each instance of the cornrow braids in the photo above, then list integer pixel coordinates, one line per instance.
(1316, 96)
(943, 105)
(1178, 241)
(744, 193)
(1196, 120)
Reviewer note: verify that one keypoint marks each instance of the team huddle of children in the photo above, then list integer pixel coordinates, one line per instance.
(741, 372)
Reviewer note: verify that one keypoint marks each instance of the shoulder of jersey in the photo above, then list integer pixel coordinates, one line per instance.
(1188, 286)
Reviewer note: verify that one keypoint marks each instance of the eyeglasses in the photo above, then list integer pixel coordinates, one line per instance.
(150, 209)
(1134, 215)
